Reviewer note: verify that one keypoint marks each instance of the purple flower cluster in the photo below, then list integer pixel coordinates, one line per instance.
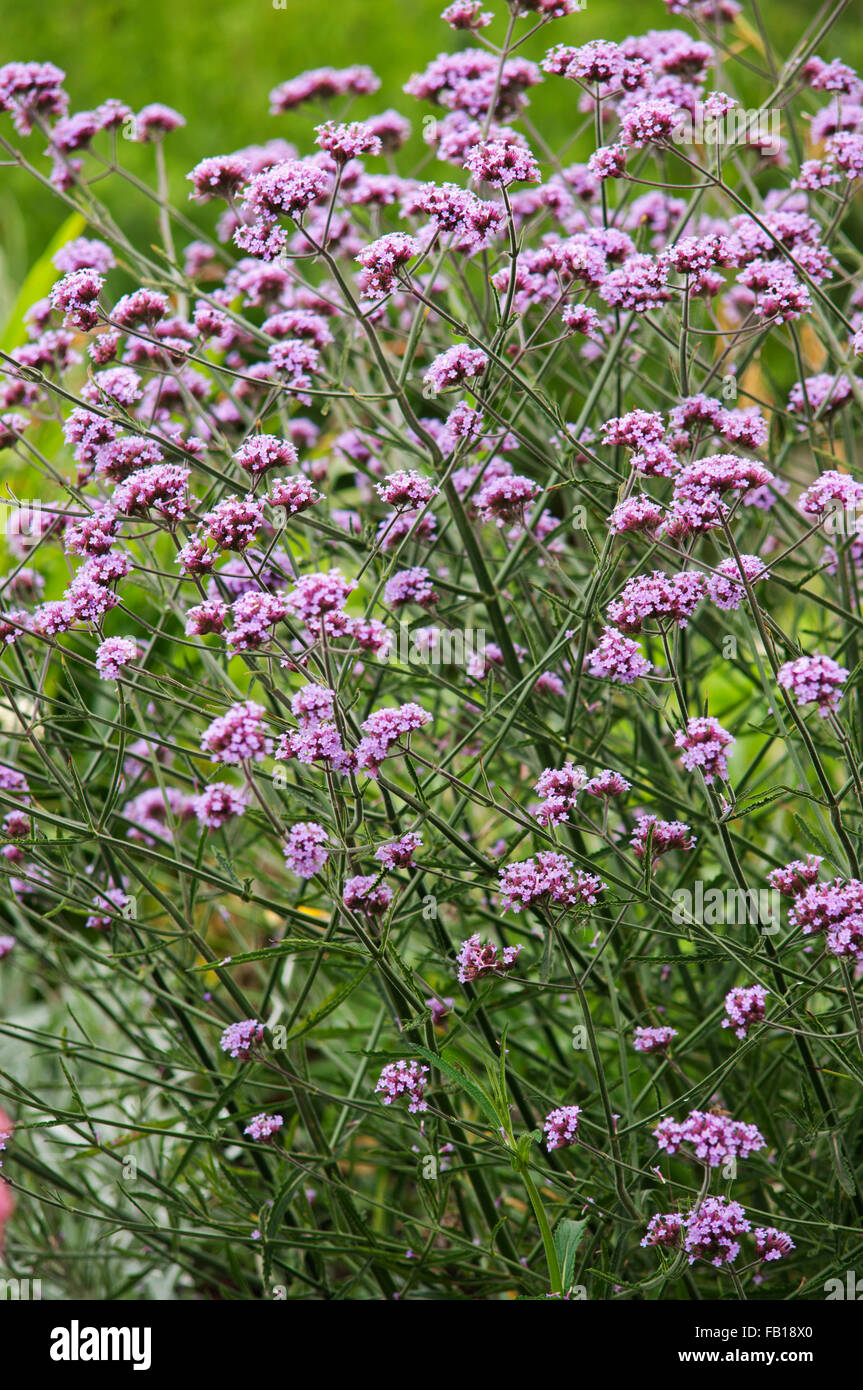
(545, 880)
(113, 654)
(477, 958)
(218, 804)
(458, 364)
(714, 1138)
(559, 788)
(307, 849)
(653, 1039)
(744, 1006)
(364, 893)
(618, 658)
(657, 596)
(239, 736)
(710, 1232)
(704, 743)
(834, 909)
(383, 730)
(561, 1127)
(404, 1079)
(240, 1040)
(263, 1126)
(814, 680)
(399, 854)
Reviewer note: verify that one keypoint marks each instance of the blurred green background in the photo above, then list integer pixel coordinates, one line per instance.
(216, 61)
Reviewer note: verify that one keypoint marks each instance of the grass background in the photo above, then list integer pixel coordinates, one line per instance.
(217, 60)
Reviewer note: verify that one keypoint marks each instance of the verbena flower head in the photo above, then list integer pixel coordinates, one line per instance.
(502, 163)
(714, 1139)
(383, 729)
(115, 653)
(406, 1079)
(546, 880)
(345, 142)
(662, 835)
(241, 735)
(835, 909)
(456, 365)
(653, 1039)
(561, 1127)
(726, 586)
(263, 1126)
(317, 595)
(382, 261)
(240, 1040)
(503, 500)
(76, 297)
(466, 14)
(664, 1229)
(795, 877)
(233, 523)
(406, 489)
(218, 804)
(657, 597)
(399, 854)
(744, 1006)
(712, 1231)
(478, 958)
(410, 586)
(618, 658)
(814, 680)
(607, 783)
(322, 84)
(703, 743)
(264, 451)
(307, 849)
(364, 893)
(293, 494)
(559, 788)
(771, 1244)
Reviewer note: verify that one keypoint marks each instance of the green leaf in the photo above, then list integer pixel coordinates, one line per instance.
(464, 1082)
(277, 1215)
(38, 281)
(290, 945)
(815, 838)
(568, 1235)
(332, 1001)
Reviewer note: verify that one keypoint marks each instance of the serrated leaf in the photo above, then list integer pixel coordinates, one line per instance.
(288, 946)
(567, 1237)
(814, 837)
(332, 1002)
(464, 1082)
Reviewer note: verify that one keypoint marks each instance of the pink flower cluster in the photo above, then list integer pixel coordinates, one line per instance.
(714, 1138)
(239, 736)
(263, 1126)
(561, 1127)
(545, 880)
(478, 958)
(744, 1006)
(704, 743)
(653, 1039)
(814, 680)
(239, 1040)
(404, 1079)
(307, 849)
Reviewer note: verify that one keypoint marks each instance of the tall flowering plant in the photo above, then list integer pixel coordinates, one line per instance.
(431, 694)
